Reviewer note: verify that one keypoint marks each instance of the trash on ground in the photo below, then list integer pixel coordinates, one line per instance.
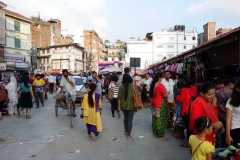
(77, 151)
(32, 156)
(115, 139)
(21, 143)
(141, 136)
(50, 140)
(2, 140)
(59, 136)
(110, 155)
(71, 152)
(24, 124)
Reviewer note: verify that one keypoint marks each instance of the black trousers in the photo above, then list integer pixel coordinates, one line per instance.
(114, 105)
(186, 119)
(128, 118)
(51, 86)
(235, 134)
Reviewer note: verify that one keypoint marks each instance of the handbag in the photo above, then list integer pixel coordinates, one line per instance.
(136, 100)
(110, 94)
(197, 148)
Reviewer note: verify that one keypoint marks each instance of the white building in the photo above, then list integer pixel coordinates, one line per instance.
(77, 35)
(59, 57)
(160, 45)
(17, 42)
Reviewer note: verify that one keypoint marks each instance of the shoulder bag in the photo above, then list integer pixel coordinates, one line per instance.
(110, 93)
(136, 99)
(197, 148)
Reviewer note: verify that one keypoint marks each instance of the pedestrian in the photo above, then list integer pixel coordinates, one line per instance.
(38, 83)
(12, 95)
(27, 96)
(233, 117)
(89, 77)
(18, 79)
(125, 103)
(91, 111)
(45, 88)
(114, 101)
(159, 109)
(223, 95)
(169, 84)
(200, 148)
(202, 106)
(187, 92)
(147, 81)
(145, 95)
(126, 71)
(98, 83)
(2, 99)
(52, 82)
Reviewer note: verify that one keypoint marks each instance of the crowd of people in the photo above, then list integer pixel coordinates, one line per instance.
(207, 115)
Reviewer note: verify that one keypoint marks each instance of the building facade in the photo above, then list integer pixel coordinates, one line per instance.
(58, 57)
(17, 42)
(158, 46)
(93, 45)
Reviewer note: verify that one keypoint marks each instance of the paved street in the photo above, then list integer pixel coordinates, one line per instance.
(40, 138)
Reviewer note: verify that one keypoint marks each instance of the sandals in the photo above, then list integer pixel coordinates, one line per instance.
(28, 117)
(130, 138)
(94, 138)
(185, 145)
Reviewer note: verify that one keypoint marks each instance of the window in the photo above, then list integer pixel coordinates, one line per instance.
(193, 38)
(159, 55)
(170, 46)
(17, 26)
(159, 46)
(112, 53)
(113, 59)
(48, 50)
(43, 51)
(171, 37)
(185, 38)
(17, 43)
(184, 47)
(170, 55)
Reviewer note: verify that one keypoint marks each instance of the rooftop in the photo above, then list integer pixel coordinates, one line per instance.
(65, 45)
(16, 15)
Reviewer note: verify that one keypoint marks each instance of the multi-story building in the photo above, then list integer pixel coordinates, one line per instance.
(209, 31)
(17, 42)
(58, 57)
(158, 46)
(93, 45)
(2, 38)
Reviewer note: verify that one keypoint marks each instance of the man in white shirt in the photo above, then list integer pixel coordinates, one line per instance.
(68, 85)
(147, 81)
(52, 82)
(169, 84)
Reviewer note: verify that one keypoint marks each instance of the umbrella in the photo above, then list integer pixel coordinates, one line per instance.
(111, 69)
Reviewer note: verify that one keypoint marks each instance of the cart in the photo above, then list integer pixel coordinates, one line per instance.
(60, 104)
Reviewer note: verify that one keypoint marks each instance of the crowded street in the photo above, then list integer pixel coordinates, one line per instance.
(40, 138)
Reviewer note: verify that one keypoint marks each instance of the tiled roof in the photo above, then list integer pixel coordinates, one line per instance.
(200, 46)
(17, 15)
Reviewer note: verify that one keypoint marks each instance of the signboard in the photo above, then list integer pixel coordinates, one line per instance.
(135, 62)
(3, 67)
(14, 58)
(2, 27)
(62, 51)
(22, 65)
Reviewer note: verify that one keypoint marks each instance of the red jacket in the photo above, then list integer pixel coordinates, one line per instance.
(185, 97)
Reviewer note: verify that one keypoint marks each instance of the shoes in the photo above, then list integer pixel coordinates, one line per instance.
(28, 117)
(42, 104)
(94, 138)
(113, 115)
(36, 107)
(74, 115)
(130, 138)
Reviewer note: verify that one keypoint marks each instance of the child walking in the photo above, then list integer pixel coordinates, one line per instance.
(200, 148)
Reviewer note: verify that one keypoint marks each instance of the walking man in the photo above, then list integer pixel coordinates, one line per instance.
(38, 84)
(52, 82)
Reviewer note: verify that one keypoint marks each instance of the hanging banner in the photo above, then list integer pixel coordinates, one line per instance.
(14, 58)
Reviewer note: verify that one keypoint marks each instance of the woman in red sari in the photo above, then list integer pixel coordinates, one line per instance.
(202, 106)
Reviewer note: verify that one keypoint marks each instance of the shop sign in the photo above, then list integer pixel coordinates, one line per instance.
(2, 27)
(2, 66)
(14, 58)
(22, 65)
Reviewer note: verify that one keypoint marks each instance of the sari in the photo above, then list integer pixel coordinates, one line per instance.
(201, 108)
(91, 116)
(159, 110)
